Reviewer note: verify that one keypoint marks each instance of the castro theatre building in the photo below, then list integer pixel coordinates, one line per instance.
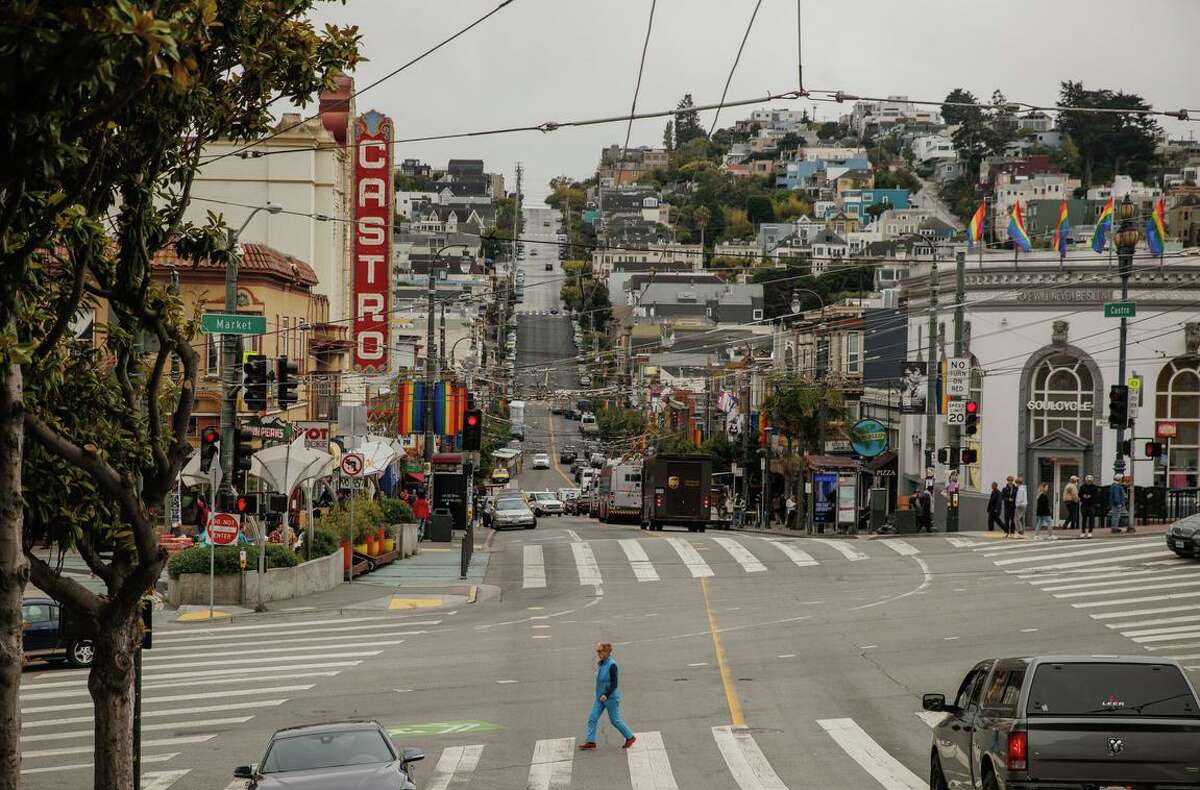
(1043, 357)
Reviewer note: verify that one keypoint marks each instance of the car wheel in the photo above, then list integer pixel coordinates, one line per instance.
(81, 653)
(989, 780)
(937, 779)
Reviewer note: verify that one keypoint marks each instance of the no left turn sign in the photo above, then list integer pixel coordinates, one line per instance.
(352, 464)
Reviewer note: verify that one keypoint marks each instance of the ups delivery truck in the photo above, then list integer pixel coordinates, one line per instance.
(676, 491)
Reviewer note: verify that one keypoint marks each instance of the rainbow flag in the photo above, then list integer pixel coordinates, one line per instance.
(1156, 228)
(449, 407)
(1016, 229)
(1059, 241)
(1104, 224)
(410, 408)
(975, 226)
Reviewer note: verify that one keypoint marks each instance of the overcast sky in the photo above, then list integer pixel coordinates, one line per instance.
(558, 60)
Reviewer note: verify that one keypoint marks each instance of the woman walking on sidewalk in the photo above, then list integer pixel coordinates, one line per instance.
(608, 698)
(1045, 519)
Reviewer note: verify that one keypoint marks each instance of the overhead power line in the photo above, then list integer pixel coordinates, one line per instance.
(737, 59)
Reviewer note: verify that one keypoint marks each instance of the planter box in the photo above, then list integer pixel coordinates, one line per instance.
(281, 584)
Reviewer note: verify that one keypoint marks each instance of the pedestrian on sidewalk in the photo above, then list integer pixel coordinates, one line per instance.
(607, 698)
(995, 507)
(1089, 503)
(420, 511)
(1022, 504)
(1045, 517)
(791, 512)
(1071, 500)
(924, 505)
(1116, 503)
(1008, 495)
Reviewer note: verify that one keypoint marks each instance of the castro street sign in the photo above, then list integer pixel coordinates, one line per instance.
(1059, 405)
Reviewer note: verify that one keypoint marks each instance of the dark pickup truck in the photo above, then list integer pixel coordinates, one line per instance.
(1068, 723)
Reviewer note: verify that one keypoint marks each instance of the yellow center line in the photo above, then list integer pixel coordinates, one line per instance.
(736, 717)
(554, 449)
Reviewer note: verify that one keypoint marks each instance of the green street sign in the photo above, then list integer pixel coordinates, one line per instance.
(1120, 309)
(230, 324)
(441, 728)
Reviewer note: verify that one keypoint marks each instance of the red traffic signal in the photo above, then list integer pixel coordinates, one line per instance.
(210, 435)
(472, 420)
(472, 435)
(972, 407)
(1155, 449)
(247, 504)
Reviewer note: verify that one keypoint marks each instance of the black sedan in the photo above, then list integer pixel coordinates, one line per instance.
(334, 756)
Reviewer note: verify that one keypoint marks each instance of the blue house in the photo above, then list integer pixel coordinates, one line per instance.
(855, 202)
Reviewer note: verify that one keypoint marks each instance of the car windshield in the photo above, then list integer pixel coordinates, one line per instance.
(510, 504)
(544, 497)
(1102, 689)
(326, 750)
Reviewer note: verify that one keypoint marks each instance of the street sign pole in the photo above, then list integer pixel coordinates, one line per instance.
(955, 432)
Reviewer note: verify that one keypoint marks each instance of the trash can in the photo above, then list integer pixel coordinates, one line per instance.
(440, 526)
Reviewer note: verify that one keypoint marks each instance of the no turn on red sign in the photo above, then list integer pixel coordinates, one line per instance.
(223, 528)
(352, 464)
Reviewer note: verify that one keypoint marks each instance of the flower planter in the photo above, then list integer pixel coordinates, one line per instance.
(361, 548)
(389, 544)
(345, 544)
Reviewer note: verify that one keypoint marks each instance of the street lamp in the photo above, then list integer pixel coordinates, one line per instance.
(1126, 239)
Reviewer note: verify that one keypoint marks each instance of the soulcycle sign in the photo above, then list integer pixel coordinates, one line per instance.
(1059, 405)
(868, 438)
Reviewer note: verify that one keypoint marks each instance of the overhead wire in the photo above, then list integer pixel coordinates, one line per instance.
(737, 59)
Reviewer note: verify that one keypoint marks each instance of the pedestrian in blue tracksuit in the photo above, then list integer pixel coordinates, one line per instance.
(608, 698)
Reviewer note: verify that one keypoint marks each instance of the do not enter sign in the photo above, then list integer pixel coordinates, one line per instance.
(223, 528)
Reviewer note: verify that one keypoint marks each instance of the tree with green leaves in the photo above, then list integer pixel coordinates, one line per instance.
(1108, 142)
(669, 136)
(953, 114)
(801, 411)
(759, 209)
(109, 109)
(687, 121)
(830, 130)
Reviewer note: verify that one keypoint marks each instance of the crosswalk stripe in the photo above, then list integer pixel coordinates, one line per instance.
(1184, 646)
(1160, 621)
(162, 780)
(1135, 588)
(649, 766)
(279, 652)
(28, 724)
(691, 558)
(1060, 555)
(456, 766)
(78, 689)
(1143, 612)
(551, 766)
(176, 634)
(237, 784)
(900, 547)
(961, 543)
(801, 558)
(643, 569)
(1031, 550)
(1189, 634)
(845, 549)
(200, 638)
(872, 757)
(308, 640)
(1116, 579)
(146, 760)
(745, 760)
(166, 725)
(535, 567)
(159, 667)
(585, 563)
(1144, 599)
(1167, 629)
(88, 749)
(1092, 573)
(1085, 563)
(740, 553)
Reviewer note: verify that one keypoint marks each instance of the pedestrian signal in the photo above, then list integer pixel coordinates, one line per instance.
(970, 456)
(1155, 449)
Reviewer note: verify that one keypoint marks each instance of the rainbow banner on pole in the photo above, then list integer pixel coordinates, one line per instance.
(975, 226)
(1156, 228)
(410, 408)
(1059, 242)
(1016, 229)
(1104, 224)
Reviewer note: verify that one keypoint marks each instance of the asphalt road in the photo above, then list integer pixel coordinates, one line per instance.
(545, 348)
(746, 661)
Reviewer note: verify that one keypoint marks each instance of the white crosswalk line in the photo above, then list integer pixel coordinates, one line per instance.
(745, 760)
(238, 784)
(863, 749)
(740, 553)
(146, 760)
(1184, 646)
(170, 636)
(1033, 550)
(162, 780)
(691, 558)
(1191, 634)
(28, 724)
(1144, 599)
(845, 549)
(314, 641)
(456, 766)
(643, 569)
(551, 766)
(1085, 563)
(535, 567)
(801, 558)
(1166, 629)
(1144, 612)
(961, 543)
(29, 755)
(1064, 552)
(1135, 588)
(649, 766)
(281, 652)
(79, 689)
(900, 547)
(167, 725)
(585, 563)
(1158, 622)
(200, 639)
(152, 670)
(1116, 580)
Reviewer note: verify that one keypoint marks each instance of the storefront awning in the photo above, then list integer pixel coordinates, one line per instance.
(883, 461)
(416, 477)
(831, 462)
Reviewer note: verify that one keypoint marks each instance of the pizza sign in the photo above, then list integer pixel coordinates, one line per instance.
(372, 241)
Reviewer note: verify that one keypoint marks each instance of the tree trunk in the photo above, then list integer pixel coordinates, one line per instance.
(111, 686)
(14, 573)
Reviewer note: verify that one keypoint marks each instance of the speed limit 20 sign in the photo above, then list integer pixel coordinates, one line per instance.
(352, 464)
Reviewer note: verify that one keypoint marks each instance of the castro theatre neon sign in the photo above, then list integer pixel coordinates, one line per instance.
(372, 241)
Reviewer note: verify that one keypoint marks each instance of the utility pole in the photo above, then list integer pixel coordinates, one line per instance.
(442, 346)
(931, 367)
(960, 265)
(430, 362)
(1125, 240)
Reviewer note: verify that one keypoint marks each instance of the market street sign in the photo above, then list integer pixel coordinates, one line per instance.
(230, 324)
(1120, 309)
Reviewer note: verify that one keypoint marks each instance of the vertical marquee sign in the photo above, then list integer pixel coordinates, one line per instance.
(372, 241)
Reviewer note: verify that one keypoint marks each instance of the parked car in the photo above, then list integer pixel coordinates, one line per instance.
(332, 756)
(545, 503)
(500, 475)
(1183, 538)
(49, 633)
(567, 455)
(512, 512)
(1071, 722)
(541, 461)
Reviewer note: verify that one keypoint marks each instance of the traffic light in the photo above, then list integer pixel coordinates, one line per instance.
(948, 456)
(1118, 406)
(970, 456)
(246, 504)
(286, 382)
(255, 382)
(971, 424)
(1155, 449)
(242, 451)
(210, 441)
(472, 436)
(1126, 447)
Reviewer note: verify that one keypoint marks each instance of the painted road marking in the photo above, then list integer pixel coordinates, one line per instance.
(1144, 599)
(900, 547)
(175, 634)
(310, 640)
(801, 558)
(88, 749)
(863, 749)
(731, 699)
(190, 677)
(441, 728)
(1116, 580)
(740, 553)
(962, 543)
(691, 558)
(394, 623)
(80, 689)
(585, 563)
(1143, 612)
(1136, 588)
(551, 766)
(535, 568)
(1160, 621)
(456, 766)
(643, 569)
(171, 698)
(1085, 563)
(1193, 632)
(166, 661)
(1060, 554)
(152, 758)
(845, 549)
(745, 760)
(175, 664)
(649, 766)
(1045, 547)
(1173, 629)
(166, 725)
(26, 724)
(161, 780)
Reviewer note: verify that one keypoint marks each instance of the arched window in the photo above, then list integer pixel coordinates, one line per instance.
(1061, 397)
(1178, 400)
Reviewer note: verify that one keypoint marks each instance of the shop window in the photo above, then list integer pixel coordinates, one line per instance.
(1178, 400)
(1062, 398)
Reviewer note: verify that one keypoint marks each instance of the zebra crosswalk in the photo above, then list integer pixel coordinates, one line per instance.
(648, 560)
(1134, 586)
(197, 683)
